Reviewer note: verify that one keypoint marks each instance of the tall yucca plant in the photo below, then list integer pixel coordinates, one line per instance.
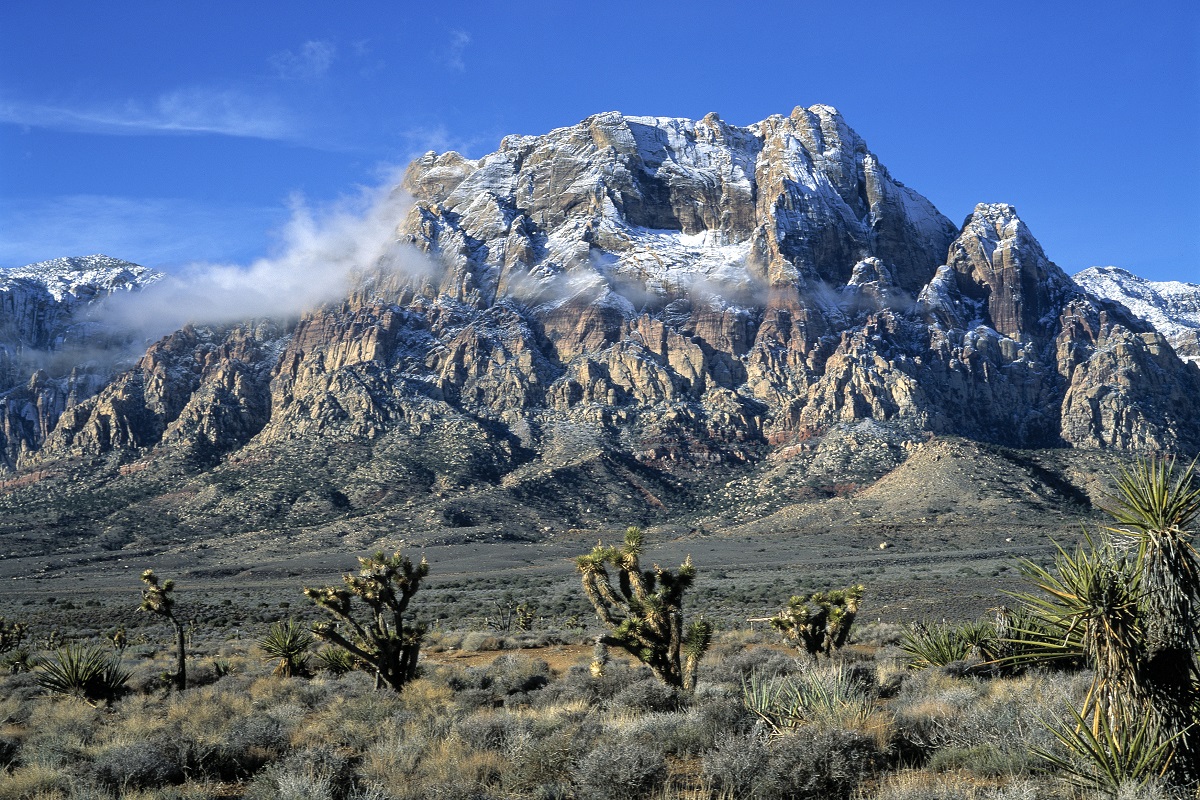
(1130, 605)
(1155, 509)
(1089, 602)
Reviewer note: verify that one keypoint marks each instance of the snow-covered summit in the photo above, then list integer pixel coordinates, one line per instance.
(1171, 307)
(80, 278)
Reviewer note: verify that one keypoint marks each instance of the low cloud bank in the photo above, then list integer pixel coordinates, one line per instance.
(319, 251)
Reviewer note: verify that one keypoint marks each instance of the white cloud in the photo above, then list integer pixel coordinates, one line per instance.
(312, 61)
(459, 40)
(189, 110)
(317, 255)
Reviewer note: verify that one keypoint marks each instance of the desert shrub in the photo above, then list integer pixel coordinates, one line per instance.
(821, 764)
(648, 695)
(539, 760)
(10, 746)
(253, 741)
(135, 765)
(488, 730)
(477, 641)
(320, 773)
(736, 764)
(806, 762)
(508, 680)
(985, 760)
(878, 634)
(32, 781)
(580, 685)
(620, 770)
(16, 694)
(698, 729)
(737, 667)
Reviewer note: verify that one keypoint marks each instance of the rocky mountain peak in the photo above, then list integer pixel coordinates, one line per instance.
(998, 263)
(1170, 307)
(617, 301)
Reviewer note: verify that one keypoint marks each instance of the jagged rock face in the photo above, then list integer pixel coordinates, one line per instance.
(668, 291)
(49, 344)
(668, 205)
(1171, 307)
(205, 391)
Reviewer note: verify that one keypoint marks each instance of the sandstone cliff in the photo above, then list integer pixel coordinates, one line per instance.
(639, 295)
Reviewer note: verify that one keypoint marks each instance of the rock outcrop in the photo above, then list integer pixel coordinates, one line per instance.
(663, 292)
(1170, 307)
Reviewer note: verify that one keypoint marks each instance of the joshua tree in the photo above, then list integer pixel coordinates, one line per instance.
(819, 623)
(159, 598)
(644, 611)
(11, 634)
(386, 641)
(289, 642)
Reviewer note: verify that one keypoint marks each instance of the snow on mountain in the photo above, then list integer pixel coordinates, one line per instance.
(82, 278)
(1171, 307)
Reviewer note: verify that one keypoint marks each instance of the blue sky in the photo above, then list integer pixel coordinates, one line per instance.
(166, 133)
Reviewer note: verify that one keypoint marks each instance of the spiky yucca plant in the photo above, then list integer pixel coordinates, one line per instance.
(819, 623)
(1089, 601)
(89, 673)
(1155, 510)
(1124, 750)
(644, 611)
(336, 660)
(289, 642)
(936, 645)
(1130, 605)
(385, 640)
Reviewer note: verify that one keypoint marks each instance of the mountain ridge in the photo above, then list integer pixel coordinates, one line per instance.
(611, 319)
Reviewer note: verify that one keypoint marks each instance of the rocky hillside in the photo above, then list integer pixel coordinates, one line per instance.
(55, 351)
(612, 319)
(1170, 307)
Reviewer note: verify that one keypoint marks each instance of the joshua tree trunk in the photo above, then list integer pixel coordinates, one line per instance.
(180, 676)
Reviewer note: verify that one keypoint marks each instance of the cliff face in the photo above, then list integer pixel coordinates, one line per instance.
(662, 291)
(53, 351)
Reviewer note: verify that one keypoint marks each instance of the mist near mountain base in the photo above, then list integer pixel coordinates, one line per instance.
(319, 252)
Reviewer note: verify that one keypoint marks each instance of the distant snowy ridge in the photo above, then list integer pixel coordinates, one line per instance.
(1171, 307)
(81, 278)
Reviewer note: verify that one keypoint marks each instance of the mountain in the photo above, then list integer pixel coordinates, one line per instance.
(616, 321)
(54, 349)
(1170, 307)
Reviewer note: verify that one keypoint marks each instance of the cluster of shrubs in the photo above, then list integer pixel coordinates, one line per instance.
(514, 728)
(981, 716)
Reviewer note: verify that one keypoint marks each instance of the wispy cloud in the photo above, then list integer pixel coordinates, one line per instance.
(318, 252)
(459, 39)
(190, 110)
(310, 62)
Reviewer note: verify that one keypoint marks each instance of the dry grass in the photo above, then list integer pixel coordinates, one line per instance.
(477, 727)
